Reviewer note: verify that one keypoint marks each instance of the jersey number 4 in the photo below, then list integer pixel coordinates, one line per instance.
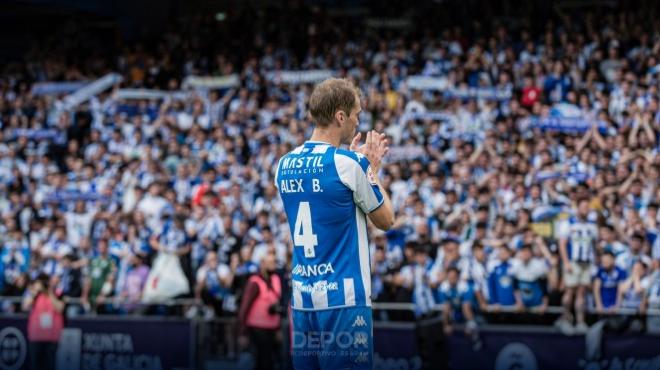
(303, 235)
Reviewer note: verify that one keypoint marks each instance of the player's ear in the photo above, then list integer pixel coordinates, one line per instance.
(340, 117)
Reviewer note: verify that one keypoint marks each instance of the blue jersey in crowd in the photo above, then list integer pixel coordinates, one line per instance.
(327, 193)
(500, 285)
(610, 284)
(455, 295)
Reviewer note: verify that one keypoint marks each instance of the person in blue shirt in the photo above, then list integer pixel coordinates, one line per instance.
(455, 299)
(606, 283)
(14, 259)
(557, 84)
(327, 194)
(501, 280)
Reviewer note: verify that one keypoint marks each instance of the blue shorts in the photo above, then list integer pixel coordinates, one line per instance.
(336, 339)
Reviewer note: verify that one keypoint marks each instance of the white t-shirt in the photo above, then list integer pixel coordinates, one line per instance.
(78, 226)
(152, 208)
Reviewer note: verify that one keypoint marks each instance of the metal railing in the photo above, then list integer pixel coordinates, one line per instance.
(555, 310)
(388, 306)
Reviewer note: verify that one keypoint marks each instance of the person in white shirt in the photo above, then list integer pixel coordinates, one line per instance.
(54, 250)
(78, 224)
(577, 242)
(530, 280)
(213, 282)
(153, 206)
(627, 259)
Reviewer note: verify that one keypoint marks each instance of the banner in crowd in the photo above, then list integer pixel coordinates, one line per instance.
(208, 82)
(135, 94)
(105, 344)
(389, 23)
(551, 175)
(54, 88)
(34, 134)
(85, 93)
(485, 93)
(299, 77)
(405, 153)
(429, 83)
(569, 125)
(430, 115)
(68, 196)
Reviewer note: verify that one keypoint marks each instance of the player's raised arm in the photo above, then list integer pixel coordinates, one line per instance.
(375, 149)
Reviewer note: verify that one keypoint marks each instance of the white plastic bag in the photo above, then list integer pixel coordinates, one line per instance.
(166, 280)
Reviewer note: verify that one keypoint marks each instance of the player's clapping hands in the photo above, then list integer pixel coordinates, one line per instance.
(374, 148)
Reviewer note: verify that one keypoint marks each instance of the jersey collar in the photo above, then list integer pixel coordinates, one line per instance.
(314, 142)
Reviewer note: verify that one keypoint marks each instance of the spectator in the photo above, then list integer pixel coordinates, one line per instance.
(214, 281)
(136, 277)
(501, 280)
(633, 254)
(14, 260)
(632, 291)
(97, 287)
(474, 273)
(68, 280)
(45, 322)
(607, 282)
(576, 248)
(530, 280)
(415, 278)
(455, 300)
(260, 312)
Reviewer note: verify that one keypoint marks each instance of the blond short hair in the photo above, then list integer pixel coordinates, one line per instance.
(330, 96)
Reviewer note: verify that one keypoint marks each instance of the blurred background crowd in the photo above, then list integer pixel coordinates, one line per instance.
(546, 195)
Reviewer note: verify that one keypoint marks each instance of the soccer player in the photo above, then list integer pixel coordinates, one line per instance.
(327, 193)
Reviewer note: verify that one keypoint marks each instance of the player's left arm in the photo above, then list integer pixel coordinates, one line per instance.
(383, 216)
(374, 150)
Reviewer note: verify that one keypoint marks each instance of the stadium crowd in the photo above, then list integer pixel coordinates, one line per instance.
(500, 202)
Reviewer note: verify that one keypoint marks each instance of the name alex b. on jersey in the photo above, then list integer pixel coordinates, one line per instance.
(296, 186)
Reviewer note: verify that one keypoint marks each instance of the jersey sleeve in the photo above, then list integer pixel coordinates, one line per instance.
(277, 173)
(355, 172)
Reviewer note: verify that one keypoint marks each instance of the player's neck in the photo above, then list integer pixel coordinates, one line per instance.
(326, 136)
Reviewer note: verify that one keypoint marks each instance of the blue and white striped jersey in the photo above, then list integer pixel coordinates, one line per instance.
(582, 236)
(327, 192)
